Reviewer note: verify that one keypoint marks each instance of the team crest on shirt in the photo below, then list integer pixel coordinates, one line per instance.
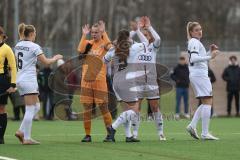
(150, 49)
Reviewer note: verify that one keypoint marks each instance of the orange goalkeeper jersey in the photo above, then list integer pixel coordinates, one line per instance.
(93, 66)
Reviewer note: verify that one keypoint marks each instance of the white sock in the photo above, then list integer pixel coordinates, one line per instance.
(196, 117)
(27, 121)
(37, 108)
(206, 114)
(127, 127)
(135, 125)
(21, 128)
(158, 122)
(123, 118)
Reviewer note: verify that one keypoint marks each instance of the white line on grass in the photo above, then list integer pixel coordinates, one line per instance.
(6, 158)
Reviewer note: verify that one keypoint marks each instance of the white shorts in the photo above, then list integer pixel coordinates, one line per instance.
(27, 87)
(124, 89)
(148, 91)
(201, 85)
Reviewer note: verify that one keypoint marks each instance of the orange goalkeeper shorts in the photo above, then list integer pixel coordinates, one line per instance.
(94, 91)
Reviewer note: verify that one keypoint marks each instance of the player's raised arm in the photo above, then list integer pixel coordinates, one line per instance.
(141, 36)
(83, 42)
(102, 29)
(157, 39)
(134, 28)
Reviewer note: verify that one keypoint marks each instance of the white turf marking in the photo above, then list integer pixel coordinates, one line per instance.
(6, 158)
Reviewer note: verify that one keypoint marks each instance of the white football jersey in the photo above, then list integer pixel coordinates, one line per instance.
(136, 56)
(196, 50)
(26, 53)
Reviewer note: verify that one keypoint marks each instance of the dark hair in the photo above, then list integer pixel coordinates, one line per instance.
(28, 29)
(232, 57)
(2, 32)
(122, 45)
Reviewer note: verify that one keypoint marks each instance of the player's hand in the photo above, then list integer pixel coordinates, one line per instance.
(101, 26)
(86, 29)
(141, 22)
(11, 90)
(147, 22)
(214, 53)
(213, 47)
(133, 25)
(57, 57)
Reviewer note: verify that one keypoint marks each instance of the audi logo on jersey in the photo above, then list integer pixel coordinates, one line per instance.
(144, 57)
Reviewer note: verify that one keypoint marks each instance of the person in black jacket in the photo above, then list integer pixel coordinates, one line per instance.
(181, 76)
(45, 91)
(231, 75)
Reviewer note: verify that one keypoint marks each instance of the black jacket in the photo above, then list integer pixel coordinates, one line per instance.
(181, 76)
(231, 75)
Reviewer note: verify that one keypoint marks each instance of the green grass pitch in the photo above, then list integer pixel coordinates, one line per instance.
(61, 141)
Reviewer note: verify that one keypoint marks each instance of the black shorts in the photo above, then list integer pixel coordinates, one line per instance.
(4, 85)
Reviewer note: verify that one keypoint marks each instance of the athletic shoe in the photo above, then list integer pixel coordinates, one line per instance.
(162, 137)
(111, 132)
(192, 132)
(209, 137)
(1, 141)
(108, 139)
(132, 139)
(30, 142)
(187, 116)
(20, 136)
(177, 116)
(87, 138)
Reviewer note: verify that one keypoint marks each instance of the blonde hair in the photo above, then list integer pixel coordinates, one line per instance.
(21, 28)
(28, 29)
(190, 26)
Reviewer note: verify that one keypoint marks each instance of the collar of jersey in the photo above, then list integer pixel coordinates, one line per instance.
(1, 44)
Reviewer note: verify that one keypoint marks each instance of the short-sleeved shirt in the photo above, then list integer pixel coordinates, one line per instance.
(26, 53)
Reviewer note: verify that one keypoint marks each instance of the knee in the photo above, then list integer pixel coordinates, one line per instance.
(87, 106)
(103, 107)
(154, 106)
(207, 101)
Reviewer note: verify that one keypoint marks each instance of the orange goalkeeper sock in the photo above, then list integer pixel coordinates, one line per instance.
(87, 122)
(107, 119)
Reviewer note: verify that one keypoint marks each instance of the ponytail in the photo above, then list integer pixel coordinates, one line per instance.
(122, 45)
(190, 26)
(21, 28)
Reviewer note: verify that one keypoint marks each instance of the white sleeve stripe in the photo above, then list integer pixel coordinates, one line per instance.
(106, 59)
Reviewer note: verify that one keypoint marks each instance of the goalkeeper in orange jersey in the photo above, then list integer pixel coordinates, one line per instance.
(93, 81)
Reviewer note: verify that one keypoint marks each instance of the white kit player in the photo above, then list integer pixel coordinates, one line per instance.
(27, 53)
(200, 82)
(147, 85)
(125, 55)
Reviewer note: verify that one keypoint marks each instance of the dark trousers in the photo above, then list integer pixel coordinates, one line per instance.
(230, 95)
(181, 93)
(112, 100)
(16, 111)
(47, 105)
